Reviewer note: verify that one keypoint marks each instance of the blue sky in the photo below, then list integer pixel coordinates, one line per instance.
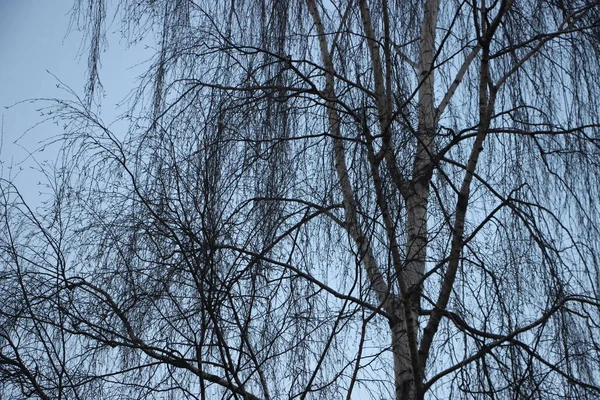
(33, 41)
(36, 43)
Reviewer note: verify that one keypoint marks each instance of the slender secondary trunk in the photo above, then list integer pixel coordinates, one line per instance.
(417, 197)
(404, 324)
(405, 309)
(417, 205)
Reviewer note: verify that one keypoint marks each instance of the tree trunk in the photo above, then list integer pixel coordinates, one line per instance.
(404, 376)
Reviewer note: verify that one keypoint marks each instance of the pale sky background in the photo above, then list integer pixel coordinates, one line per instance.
(35, 43)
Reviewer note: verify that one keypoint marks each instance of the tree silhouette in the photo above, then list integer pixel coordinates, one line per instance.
(385, 199)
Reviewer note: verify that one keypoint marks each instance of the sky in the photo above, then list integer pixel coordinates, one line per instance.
(37, 48)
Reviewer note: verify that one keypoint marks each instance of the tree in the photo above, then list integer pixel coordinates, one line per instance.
(320, 200)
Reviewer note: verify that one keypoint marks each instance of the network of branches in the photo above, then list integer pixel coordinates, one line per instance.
(309, 199)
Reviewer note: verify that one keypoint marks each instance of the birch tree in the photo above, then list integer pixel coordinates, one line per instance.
(354, 199)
